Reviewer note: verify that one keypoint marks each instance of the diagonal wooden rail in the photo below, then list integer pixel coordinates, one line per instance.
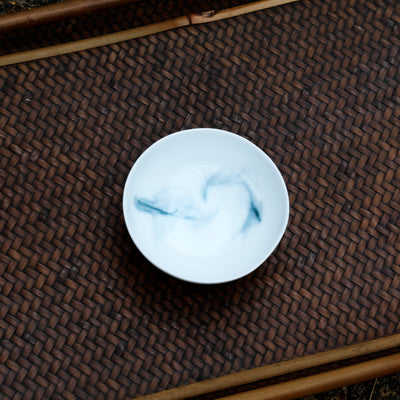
(135, 33)
(318, 382)
(324, 381)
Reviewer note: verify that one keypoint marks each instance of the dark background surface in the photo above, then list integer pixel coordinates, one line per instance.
(382, 388)
(9, 6)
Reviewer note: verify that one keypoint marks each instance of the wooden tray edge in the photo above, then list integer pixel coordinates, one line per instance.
(54, 12)
(299, 387)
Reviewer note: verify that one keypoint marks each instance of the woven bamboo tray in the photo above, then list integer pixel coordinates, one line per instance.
(83, 315)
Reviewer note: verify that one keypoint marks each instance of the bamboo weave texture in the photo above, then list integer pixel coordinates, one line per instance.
(315, 84)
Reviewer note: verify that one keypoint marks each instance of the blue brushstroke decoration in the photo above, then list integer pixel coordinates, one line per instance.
(186, 207)
(254, 215)
(151, 207)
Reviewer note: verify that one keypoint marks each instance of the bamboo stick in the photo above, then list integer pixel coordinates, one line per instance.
(236, 11)
(86, 44)
(135, 33)
(324, 381)
(274, 370)
(54, 12)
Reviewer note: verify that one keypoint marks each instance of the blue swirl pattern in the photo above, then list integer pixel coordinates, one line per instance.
(177, 203)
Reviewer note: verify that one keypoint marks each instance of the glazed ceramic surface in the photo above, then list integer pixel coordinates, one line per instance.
(205, 205)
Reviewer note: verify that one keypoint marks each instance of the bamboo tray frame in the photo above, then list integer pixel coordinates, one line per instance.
(305, 386)
(290, 389)
(78, 7)
(54, 12)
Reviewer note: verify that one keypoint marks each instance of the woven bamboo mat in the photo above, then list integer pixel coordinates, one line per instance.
(83, 315)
